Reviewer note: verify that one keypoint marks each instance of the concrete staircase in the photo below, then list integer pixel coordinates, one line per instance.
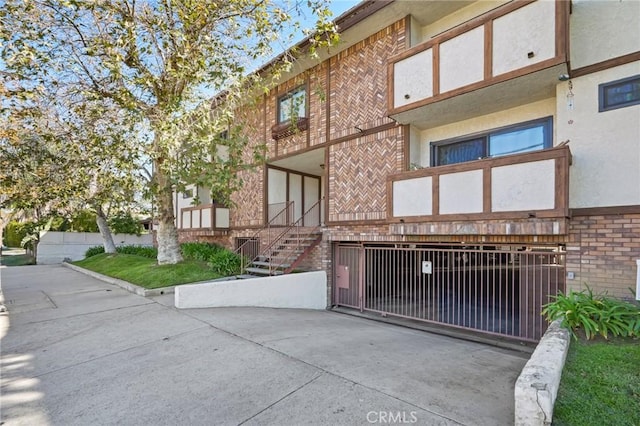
(285, 253)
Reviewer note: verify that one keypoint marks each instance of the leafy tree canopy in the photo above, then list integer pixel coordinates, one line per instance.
(158, 60)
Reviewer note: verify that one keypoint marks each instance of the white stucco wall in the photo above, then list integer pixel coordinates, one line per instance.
(413, 76)
(462, 60)
(458, 17)
(54, 247)
(461, 192)
(307, 290)
(605, 145)
(528, 29)
(603, 29)
(413, 197)
(525, 186)
(532, 111)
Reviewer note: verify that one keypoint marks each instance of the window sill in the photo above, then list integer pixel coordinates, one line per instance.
(282, 130)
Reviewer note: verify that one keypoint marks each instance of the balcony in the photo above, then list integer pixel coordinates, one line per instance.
(524, 194)
(507, 57)
(206, 218)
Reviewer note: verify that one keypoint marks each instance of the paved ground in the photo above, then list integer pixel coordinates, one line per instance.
(79, 351)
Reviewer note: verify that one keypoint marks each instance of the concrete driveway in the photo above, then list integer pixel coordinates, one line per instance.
(79, 351)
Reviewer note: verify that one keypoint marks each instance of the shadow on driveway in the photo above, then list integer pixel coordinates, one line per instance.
(80, 351)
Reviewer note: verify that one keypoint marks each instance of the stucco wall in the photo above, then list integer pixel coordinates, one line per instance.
(303, 291)
(54, 247)
(458, 17)
(605, 145)
(462, 60)
(530, 29)
(601, 30)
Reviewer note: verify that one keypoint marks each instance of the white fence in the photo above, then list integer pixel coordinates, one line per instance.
(54, 247)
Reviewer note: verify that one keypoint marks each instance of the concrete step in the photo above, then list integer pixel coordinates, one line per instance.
(273, 262)
(265, 272)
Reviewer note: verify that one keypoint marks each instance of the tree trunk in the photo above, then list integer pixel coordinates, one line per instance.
(103, 226)
(167, 234)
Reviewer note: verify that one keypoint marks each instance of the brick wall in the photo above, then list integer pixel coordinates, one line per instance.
(202, 237)
(358, 171)
(602, 253)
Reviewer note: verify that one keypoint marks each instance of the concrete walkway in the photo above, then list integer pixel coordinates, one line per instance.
(77, 351)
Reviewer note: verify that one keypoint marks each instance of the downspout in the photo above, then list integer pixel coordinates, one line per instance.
(638, 279)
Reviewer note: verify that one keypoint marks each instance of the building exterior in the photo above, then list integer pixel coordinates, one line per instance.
(452, 162)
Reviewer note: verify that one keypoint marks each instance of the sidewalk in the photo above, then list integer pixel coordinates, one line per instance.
(80, 351)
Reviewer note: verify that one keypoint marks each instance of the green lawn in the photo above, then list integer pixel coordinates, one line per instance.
(144, 272)
(600, 384)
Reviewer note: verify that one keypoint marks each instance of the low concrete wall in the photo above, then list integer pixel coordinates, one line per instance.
(54, 247)
(306, 290)
(537, 386)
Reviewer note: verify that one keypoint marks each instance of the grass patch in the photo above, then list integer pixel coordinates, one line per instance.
(17, 260)
(145, 272)
(600, 384)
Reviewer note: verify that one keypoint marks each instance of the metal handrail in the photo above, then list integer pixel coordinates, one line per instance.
(298, 224)
(268, 226)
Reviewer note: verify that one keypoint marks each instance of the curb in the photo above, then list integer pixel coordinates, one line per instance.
(140, 291)
(537, 386)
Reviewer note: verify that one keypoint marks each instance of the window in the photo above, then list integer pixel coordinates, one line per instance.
(188, 193)
(516, 139)
(619, 93)
(292, 105)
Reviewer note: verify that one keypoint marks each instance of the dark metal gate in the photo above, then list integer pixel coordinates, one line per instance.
(496, 290)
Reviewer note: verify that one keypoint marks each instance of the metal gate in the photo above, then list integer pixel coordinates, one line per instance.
(496, 290)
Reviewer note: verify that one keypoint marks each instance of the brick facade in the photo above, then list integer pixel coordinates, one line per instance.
(347, 113)
(602, 253)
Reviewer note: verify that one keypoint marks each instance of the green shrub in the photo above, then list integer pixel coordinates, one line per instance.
(92, 251)
(124, 223)
(199, 251)
(225, 263)
(143, 251)
(15, 232)
(150, 252)
(596, 314)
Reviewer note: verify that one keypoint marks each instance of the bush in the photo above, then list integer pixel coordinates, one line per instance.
(15, 232)
(143, 251)
(199, 251)
(595, 314)
(124, 223)
(225, 262)
(92, 251)
(150, 252)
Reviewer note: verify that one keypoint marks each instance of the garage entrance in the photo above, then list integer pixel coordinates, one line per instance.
(492, 289)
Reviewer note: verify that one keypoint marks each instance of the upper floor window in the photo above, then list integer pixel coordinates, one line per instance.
(619, 93)
(523, 137)
(292, 105)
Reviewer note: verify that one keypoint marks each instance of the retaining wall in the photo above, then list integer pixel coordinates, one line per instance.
(56, 246)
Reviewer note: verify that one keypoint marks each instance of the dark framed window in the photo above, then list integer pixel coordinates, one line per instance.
(292, 105)
(619, 93)
(188, 193)
(515, 139)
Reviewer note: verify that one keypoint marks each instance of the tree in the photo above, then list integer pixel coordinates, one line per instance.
(59, 155)
(159, 59)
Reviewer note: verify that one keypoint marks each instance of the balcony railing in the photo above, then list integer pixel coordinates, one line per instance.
(511, 41)
(530, 186)
(213, 217)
